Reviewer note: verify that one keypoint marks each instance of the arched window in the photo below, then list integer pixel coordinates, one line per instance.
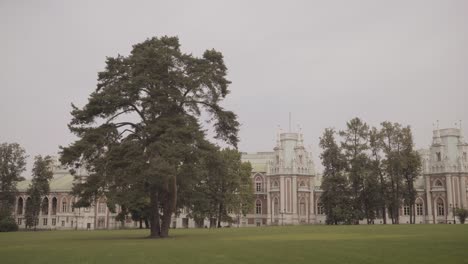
(320, 209)
(302, 207)
(102, 207)
(27, 203)
(419, 207)
(54, 206)
(64, 205)
(440, 207)
(19, 210)
(406, 210)
(45, 206)
(258, 184)
(438, 183)
(276, 206)
(258, 207)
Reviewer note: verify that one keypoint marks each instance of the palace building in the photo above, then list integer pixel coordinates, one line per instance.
(287, 189)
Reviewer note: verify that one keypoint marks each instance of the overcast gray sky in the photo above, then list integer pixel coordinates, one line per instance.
(324, 61)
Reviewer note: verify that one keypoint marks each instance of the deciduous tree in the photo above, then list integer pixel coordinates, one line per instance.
(225, 186)
(355, 147)
(12, 164)
(411, 169)
(336, 196)
(41, 176)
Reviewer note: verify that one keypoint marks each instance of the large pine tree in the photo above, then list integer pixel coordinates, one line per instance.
(147, 107)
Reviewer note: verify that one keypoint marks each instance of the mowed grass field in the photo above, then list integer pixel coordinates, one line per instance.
(290, 244)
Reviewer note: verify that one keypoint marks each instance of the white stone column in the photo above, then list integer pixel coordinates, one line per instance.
(49, 211)
(456, 190)
(449, 197)
(282, 194)
(311, 200)
(463, 191)
(294, 196)
(23, 210)
(430, 217)
(267, 189)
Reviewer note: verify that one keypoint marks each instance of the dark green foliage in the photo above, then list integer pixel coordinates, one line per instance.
(225, 186)
(462, 214)
(12, 164)
(411, 169)
(373, 171)
(8, 224)
(140, 132)
(42, 174)
(402, 165)
(355, 145)
(336, 192)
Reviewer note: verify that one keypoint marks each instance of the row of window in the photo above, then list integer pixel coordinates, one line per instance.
(321, 209)
(259, 184)
(419, 209)
(44, 221)
(438, 156)
(406, 209)
(45, 206)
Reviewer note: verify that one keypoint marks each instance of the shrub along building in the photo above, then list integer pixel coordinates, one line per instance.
(287, 189)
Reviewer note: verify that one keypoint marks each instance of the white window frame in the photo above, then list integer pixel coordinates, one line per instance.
(258, 207)
(419, 209)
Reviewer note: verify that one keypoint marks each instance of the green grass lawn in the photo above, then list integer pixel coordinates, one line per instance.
(294, 244)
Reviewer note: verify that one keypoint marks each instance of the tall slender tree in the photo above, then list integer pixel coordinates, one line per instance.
(12, 164)
(392, 147)
(336, 196)
(225, 186)
(375, 145)
(41, 176)
(151, 100)
(411, 169)
(355, 145)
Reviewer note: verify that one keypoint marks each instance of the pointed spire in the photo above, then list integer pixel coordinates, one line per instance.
(300, 142)
(278, 135)
(461, 139)
(436, 139)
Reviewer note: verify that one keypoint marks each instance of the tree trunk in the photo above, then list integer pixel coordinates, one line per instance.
(165, 223)
(220, 211)
(141, 223)
(146, 223)
(384, 214)
(382, 188)
(413, 217)
(169, 206)
(155, 229)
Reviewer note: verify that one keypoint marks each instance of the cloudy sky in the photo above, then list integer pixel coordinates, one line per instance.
(324, 61)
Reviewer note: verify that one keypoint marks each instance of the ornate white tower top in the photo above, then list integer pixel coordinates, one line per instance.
(448, 152)
(290, 156)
